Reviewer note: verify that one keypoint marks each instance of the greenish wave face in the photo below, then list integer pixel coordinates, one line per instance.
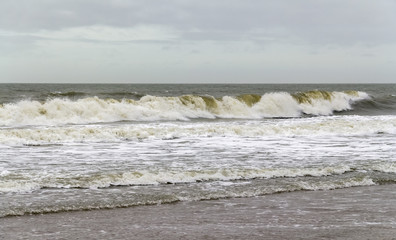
(249, 99)
(307, 97)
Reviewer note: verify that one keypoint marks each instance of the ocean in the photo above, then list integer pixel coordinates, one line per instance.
(73, 147)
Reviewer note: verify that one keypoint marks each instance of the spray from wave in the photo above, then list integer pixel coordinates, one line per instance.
(63, 111)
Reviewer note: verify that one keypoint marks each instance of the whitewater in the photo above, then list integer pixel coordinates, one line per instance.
(86, 147)
(58, 111)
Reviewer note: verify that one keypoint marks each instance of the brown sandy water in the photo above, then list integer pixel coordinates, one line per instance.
(350, 213)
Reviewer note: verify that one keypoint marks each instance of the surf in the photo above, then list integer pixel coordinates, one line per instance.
(270, 128)
(63, 110)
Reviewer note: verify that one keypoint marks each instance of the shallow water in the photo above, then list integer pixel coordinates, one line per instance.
(349, 213)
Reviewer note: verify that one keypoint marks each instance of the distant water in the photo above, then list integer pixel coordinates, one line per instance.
(80, 147)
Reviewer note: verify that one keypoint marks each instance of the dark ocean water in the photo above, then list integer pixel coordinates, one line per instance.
(80, 147)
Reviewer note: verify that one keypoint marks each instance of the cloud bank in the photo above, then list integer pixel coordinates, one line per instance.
(186, 41)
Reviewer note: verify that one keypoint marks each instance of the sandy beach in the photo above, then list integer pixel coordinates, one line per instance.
(357, 213)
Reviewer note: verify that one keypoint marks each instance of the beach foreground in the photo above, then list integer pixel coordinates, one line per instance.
(353, 213)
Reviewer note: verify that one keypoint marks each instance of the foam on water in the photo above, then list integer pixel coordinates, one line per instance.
(321, 126)
(26, 182)
(63, 149)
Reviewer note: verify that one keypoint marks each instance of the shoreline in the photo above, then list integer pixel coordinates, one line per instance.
(350, 213)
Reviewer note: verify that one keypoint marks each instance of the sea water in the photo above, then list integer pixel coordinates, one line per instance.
(67, 147)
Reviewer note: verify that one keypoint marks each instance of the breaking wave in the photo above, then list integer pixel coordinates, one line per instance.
(62, 111)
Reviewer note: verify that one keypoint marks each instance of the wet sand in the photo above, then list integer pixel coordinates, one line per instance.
(353, 213)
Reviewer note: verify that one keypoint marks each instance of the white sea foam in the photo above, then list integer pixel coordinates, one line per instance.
(18, 186)
(147, 177)
(321, 126)
(152, 108)
(329, 185)
(384, 167)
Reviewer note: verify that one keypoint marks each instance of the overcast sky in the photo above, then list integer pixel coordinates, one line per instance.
(198, 41)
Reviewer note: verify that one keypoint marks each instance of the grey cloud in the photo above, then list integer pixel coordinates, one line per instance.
(315, 21)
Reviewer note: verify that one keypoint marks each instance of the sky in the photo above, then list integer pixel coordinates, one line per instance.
(197, 41)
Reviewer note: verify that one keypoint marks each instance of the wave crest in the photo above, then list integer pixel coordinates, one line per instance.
(154, 108)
